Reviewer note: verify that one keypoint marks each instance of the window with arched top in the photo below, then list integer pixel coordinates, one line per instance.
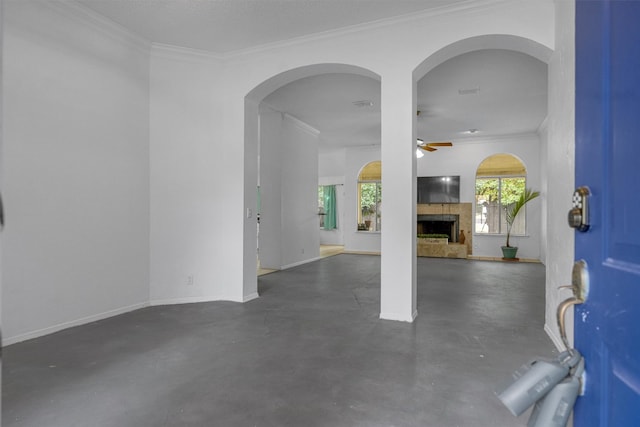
(500, 179)
(370, 197)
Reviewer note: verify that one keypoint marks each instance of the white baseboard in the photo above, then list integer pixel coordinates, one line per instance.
(191, 300)
(65, 325)
(362, 252)
(295, 264)
(398, 317)
(250, 297)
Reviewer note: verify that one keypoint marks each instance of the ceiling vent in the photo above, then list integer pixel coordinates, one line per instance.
(363, 103)
(471, 91)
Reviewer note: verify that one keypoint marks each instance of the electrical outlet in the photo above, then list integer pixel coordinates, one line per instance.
(190, 280)
(302, 250)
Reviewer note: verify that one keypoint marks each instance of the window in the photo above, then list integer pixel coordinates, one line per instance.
(500, 179)
(370, 197)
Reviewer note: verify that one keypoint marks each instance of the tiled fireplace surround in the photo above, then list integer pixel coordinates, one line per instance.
(448, 212)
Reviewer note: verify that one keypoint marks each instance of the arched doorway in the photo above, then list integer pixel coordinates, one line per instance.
(285, 141)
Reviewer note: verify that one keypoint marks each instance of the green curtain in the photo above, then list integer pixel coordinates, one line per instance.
(330, 222)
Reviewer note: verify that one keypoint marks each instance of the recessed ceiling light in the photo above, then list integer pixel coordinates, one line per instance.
(363, 103)
(471, 131)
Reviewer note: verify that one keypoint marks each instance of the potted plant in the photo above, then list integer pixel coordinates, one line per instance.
(367, 212)
(511, 212)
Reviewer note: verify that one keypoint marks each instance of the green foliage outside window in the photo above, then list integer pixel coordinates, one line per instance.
(370, 206)
(493, 196)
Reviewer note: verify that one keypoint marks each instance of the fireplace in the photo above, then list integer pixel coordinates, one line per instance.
(448, 224)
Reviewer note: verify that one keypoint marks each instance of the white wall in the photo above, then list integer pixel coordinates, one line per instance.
(464, 158)
(189, 180)
(289, 231)
(560, 166)
(543, 135)
(76, 175)
(270, 238)
(301, 237)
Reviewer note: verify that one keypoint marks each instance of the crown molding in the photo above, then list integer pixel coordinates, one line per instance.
(465, 6)
(85, 16)
(300, 124)
(533, 135)
(266, 107)
(183, 53)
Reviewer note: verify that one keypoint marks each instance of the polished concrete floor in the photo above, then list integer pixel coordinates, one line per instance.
(310, 352)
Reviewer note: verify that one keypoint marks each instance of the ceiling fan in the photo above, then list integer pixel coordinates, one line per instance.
(429, 146)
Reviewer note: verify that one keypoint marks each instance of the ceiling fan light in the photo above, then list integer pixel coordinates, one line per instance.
(419, 153)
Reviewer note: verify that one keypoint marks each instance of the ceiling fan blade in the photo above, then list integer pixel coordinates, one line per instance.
(426, 148)
(439, 144)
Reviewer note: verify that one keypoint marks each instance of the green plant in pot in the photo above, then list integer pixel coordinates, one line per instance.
(511, 212)
(368, 211)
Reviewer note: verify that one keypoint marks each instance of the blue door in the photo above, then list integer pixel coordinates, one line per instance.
(607, 325)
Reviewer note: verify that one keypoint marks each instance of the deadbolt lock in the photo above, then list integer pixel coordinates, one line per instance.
(579, 214)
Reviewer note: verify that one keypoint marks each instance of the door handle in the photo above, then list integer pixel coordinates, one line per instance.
(580, 288)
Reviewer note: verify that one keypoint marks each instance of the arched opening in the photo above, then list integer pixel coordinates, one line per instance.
(287, 142)
(488, 95)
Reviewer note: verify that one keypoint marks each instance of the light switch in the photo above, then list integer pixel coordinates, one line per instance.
(249, 213)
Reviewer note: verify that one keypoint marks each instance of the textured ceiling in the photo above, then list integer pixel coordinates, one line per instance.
(223, 26)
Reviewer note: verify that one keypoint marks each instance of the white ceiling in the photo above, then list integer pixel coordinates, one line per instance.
(511, 98)
(512, 87)
(223, 26)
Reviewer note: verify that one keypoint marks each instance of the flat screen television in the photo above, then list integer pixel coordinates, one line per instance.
(438, 189)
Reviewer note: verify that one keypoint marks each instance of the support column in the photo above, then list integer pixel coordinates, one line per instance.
(398, 264)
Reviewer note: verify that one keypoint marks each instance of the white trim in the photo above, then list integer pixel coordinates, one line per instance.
(169, 51)
(84, 15)
(192, 300)
(305, 127)
(534, 136)
(300, 124)
(375, 253)
(399, 317)
(65, 325)
(409, 18)
(295, 264)
(250, 297)
(557, 341)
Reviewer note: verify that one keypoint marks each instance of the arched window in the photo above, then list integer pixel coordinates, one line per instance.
(500, 179)
(370, 197)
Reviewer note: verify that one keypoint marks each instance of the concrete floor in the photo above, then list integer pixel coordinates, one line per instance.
(310, 352)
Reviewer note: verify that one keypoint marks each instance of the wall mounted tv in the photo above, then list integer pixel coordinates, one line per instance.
(438, 189)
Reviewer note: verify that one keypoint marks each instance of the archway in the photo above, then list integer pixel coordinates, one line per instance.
(257, 168)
